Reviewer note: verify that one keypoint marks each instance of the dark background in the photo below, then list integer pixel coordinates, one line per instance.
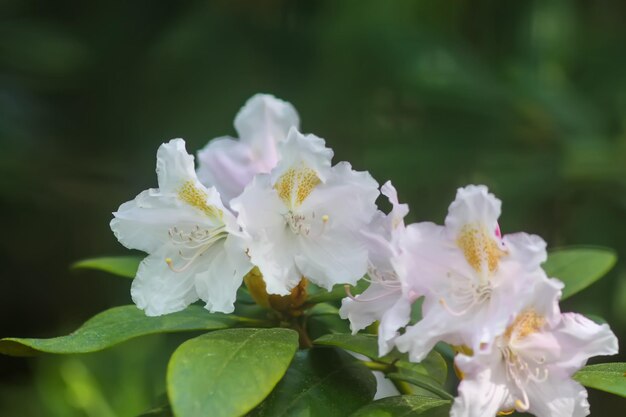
(528, 97)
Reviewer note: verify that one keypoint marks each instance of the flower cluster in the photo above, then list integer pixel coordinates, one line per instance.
(273, 200)
(487, 295)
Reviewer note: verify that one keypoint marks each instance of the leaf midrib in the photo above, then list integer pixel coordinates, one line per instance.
(230, 357)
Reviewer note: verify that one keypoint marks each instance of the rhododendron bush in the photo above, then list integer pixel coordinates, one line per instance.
(271, 248)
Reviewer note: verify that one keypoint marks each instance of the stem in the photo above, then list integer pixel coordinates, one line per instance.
(377, 366)
(305, 340)
(299, 325)
(402, 387)
(254, 322)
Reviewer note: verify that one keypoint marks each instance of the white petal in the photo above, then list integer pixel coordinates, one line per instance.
(557, 397)
(263, 122)
(426, 257)
(259, 208)
(221, 273)
(348, 198)
(143, 223)
(300, 150)
(228, 165)
(274, 256)
(158, 290)
(473, 205)
(581, 339)
(398, 211)
(369, 306)
(335, 257)
(528, 250)
(393, 319)
(545, 300)
(380, 250)
(482, 393)
(174, 166)
(418, 340)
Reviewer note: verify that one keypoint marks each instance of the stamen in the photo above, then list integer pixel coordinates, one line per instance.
(455, 313)
(196, 243)
(364, 300)
(520, 371)
(522, 405)
(187, 265)
(386, 279)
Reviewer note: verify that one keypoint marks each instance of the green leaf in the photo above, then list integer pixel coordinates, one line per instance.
(434, 365)
(422, 381)
(337, 293)
(609, 377)
(322, 309)
(579, 267)
(365, 344)
(320, 382)
(114, 326)
(227, 373)
(123, 266)
(405, 406)
(319, 325)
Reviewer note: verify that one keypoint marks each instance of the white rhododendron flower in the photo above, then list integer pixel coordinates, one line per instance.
(384, 299)
(194, 244)
(304, 218)
(530, 368)
(229, 164)
(473, 280)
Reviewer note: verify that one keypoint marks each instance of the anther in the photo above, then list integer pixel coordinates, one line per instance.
(521, 405)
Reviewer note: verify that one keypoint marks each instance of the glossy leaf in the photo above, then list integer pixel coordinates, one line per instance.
(114, 326)
(579, 267)
(364, 344)
(323, 309)
(433, 365)
(405, 406)
(123, 266)
(422, 381)
(320, 382)
(319, 325)
(609, 377)
(228, 373)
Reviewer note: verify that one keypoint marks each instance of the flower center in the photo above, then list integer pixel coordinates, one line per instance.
(297, 223)
(463, 293)
(301, 224)
(197, 198)
(385, 278)
(193, 244)
(480, 249)
(520, 368)
(295, 185)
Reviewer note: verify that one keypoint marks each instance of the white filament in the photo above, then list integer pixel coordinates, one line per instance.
(193, 244)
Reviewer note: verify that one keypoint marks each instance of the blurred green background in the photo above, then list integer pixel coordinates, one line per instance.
(528, 97)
